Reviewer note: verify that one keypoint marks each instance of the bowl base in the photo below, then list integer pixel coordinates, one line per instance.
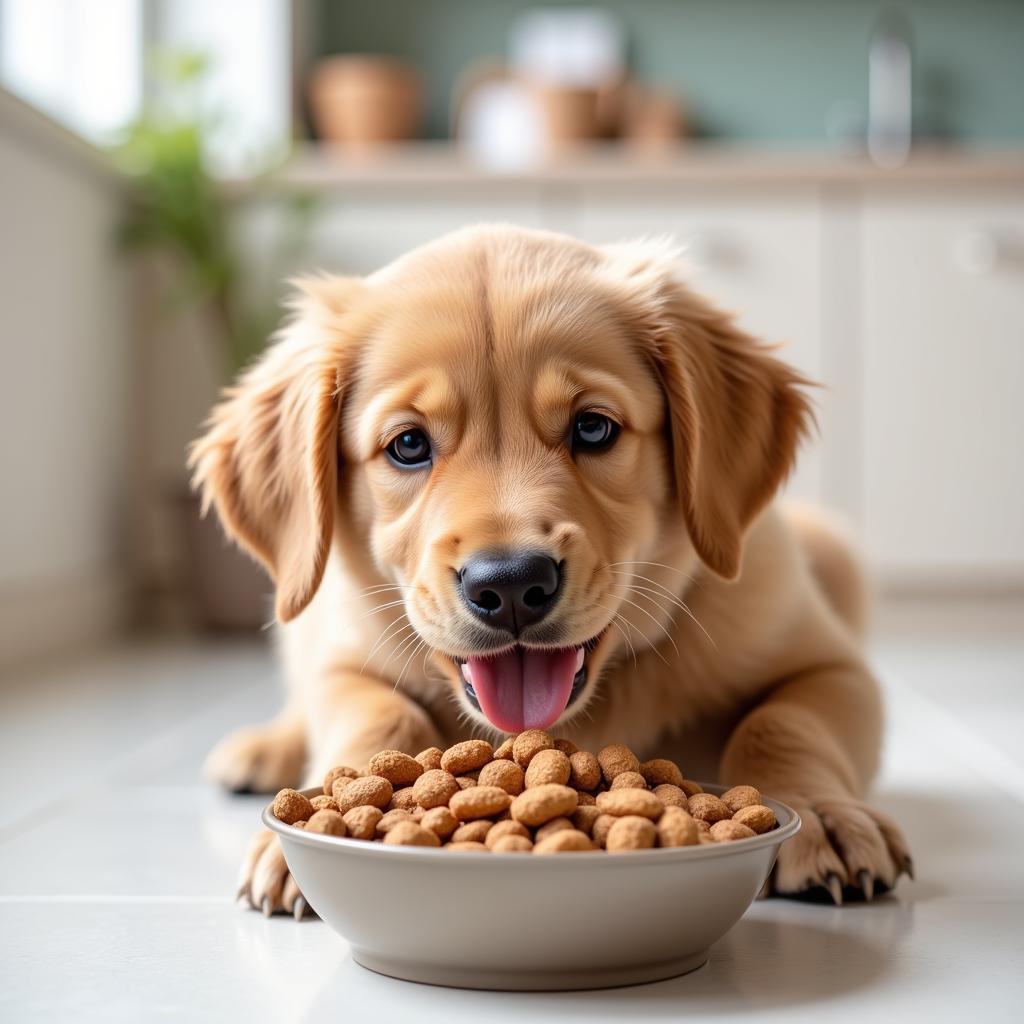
(527, 980)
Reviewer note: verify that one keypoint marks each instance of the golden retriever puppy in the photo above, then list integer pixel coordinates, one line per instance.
(512, 480)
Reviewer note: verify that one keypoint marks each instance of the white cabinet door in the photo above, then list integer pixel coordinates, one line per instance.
(943, 407)
(756, 255)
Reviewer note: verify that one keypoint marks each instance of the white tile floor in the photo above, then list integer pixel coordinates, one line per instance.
(117, 864)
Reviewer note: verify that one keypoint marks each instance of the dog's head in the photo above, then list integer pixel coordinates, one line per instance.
(517, 429)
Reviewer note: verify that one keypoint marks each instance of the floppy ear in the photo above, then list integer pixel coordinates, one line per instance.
(736, 414)
(268, 461)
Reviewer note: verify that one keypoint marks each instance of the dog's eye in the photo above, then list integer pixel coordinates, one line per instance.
(410, 448)
(593, 432)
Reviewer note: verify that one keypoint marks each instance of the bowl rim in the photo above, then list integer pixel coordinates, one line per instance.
(367, 848)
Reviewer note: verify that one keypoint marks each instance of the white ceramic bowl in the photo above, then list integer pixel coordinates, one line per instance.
(517, 921)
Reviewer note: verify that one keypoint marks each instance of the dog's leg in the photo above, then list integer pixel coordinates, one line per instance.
(813, 742)
(350, 718)
(262, 758)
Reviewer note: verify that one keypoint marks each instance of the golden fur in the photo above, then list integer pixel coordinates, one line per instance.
(728, 631)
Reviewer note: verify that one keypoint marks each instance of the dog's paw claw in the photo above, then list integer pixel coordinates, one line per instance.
(299, 910)
(266, 884)
(867, 885)
(835, 889)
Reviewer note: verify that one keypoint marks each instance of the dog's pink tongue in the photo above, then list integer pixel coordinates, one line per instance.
(523, 689)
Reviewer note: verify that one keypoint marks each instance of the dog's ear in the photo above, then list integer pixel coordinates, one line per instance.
(736, 414)
(268, 461)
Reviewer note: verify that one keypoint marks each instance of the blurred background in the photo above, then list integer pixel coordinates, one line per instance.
(847, 176)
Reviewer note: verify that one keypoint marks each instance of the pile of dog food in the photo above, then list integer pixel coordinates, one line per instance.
(532, 794)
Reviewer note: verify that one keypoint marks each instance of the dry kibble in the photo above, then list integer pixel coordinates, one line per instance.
(430, 758)
(671, 796)
(585, 770)
(298, 824)
(340, 772)
(323, 803)
(440, 821)
(398, 768)
(756, 816)
(529, 743)
(708, 808)
(504, 751)
(542, 803)
(510, 844)
(465, 781)
(584, 817)
(567, 747)
(689, 788)
(739, 797)
(547, 766)
(706, 839)
(291, 806)
(602, 825)
(586, 799)
(702, 826)
(677, 828)
(403, 799)
(507, 775)
(361, 822)
(328, 823)
(615, 759)
(564, 841)
(479, 802)
(660, 771)
(408, 833)
(726, 831)
(628, 780)
(549, 828)
(434, 788)
(631, 833)
(506, 828)
(472, 832)
(467, 847)
(391, 819)
(371, 790)
(464, 757)
(633, 802)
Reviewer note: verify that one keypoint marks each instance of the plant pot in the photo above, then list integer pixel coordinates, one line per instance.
(361, 102)
(227, 590)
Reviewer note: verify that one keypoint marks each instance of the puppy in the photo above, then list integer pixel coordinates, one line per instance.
(511, 481)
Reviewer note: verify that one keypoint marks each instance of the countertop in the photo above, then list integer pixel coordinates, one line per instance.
(117, 864)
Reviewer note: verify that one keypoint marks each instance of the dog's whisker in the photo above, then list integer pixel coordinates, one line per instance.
(381, 608)
(660, 565)
(388, 634)
(656, 621)
(402, 648)
(667, 594)
(614, 621)
(633, 574)
(408, 661)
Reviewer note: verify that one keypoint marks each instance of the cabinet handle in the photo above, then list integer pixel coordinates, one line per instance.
(979, 253)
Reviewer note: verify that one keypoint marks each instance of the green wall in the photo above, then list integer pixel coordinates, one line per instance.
(762, 70)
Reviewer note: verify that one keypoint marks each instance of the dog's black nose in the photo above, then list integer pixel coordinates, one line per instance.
(510, 590)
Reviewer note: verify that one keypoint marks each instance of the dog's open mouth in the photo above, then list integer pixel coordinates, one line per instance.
(526, 687)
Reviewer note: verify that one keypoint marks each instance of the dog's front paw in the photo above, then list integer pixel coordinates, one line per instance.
(258, 759)
(846, 849)
(265, 882)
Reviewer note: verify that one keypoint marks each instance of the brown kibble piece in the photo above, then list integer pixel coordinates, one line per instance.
(434, 788)
(584, 817)
(567, 747)
(430, 758)
(465, 756)
(371, 791)
(398, 768)
(702, 826)
(291, 806)
(506, 828)
(690, 788)
(408, 833)
(298, 824)
(585, 799)
(628, 780)
(741, 796)
(542, 803)
(671, 796)
(466, 781)
(660, 771)
(404, 799)
(361, 822)
(328, 823)
(464, 846)
(631, 833)
(706, 839)
(507, 775)
(504, 750)
(338, 772)
(622, 802)
(727, 831)
(323, 803)
(549, 828)
(472, 831)
(601, 826)
(567, 840)
(529, 743)
(756, 816)
(585, 770)
(615, 759)
(510, 844)
(391, 819)
(479, 802)
(547, 766)
(708, 808)
(677, 828)
(440, 821)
